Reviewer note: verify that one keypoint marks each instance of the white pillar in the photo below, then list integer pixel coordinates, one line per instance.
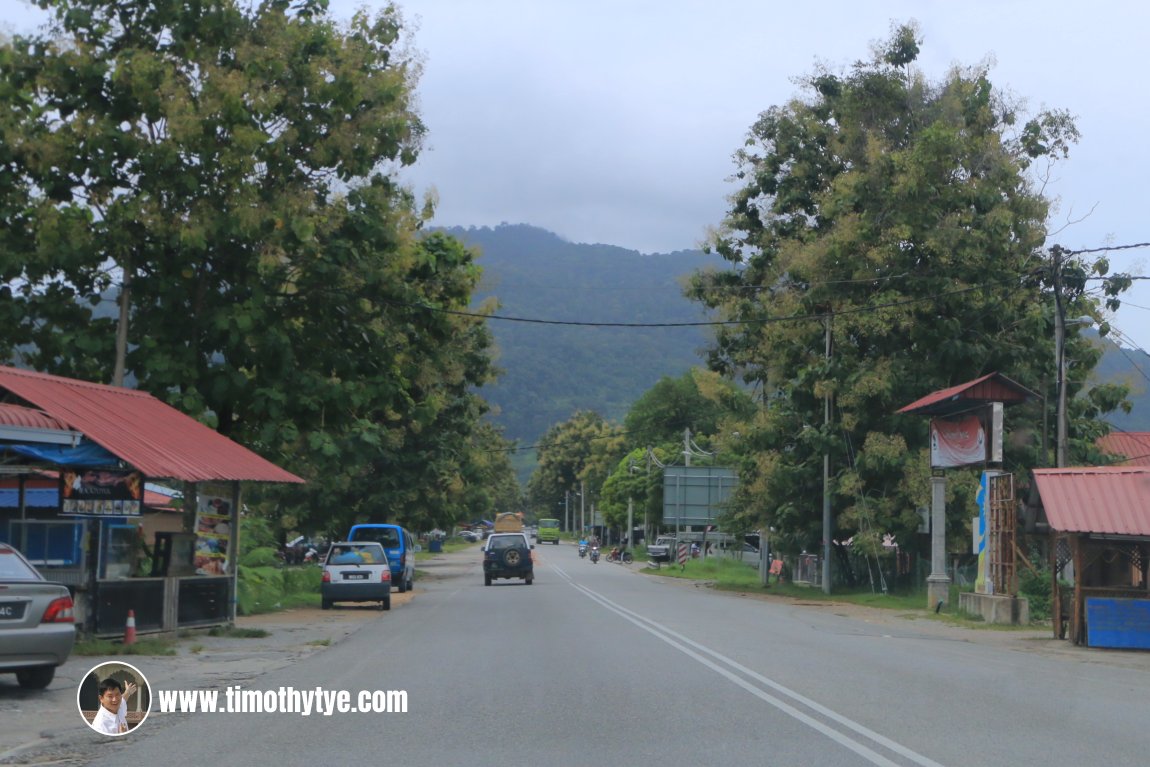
(938, 582)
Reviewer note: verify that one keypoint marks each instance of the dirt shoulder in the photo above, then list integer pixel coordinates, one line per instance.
(42, 727)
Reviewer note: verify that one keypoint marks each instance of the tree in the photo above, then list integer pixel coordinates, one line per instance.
(697, 400)
(229, 169)
(905, 214)
(582, 449)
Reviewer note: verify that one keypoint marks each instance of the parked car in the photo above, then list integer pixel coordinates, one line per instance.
(663, 549)
(400, 547)
(508, 555)
(356, 571)
(37, 622)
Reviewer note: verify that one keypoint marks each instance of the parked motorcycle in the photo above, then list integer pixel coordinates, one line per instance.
(594, 555)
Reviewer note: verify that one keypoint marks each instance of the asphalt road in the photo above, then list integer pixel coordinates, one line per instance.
(597, 664)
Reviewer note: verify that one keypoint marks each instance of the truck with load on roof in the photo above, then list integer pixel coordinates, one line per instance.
(508, 522)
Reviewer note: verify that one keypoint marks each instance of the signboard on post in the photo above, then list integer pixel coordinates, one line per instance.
(970, 439)
(696, 495)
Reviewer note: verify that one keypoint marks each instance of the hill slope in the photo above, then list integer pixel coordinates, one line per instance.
(550, 371)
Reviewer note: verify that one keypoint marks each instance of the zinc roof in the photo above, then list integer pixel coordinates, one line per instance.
(993, 387)
(1133, 446)
(1112, 500)
(144, 432)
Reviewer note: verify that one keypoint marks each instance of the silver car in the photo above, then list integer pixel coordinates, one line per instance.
(37, 628)
(356, 571)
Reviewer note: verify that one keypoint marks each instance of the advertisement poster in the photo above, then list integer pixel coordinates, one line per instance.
(213, 532)
(959, 442)
(100, 493)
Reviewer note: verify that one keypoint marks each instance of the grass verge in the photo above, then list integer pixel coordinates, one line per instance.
(725, 574)
(144, 646)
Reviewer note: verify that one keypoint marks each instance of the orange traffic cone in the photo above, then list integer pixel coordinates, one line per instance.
(130, 628)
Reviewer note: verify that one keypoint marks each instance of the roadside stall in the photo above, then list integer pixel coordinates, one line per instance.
(103, 444)
(1098, 519)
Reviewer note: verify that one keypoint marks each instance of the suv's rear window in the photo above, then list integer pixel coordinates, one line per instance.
(506, 542)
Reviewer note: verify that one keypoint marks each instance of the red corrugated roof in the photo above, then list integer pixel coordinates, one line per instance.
(993, 387)
(28, 418)
(1111, 500)
(1134, 446)
(153, 437)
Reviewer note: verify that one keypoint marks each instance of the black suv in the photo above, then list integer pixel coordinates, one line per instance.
(507, 555)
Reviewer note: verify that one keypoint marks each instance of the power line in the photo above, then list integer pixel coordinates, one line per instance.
(1105, 249)
(706, 323)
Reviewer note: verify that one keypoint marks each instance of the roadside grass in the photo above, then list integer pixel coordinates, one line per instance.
(237, 632)
(298, 599)
(450, 545)
(725, 574)
(143, 646)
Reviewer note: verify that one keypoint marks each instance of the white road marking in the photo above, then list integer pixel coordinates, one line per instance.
(696, 651)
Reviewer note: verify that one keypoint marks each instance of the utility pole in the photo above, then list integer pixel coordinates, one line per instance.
(1059, 358)
(827, 478)
(582, 507)
(122, 324)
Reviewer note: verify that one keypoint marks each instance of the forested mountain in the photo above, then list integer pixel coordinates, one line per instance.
(1132, 368)
(550, 371)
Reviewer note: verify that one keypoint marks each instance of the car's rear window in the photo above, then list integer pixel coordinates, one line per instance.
(506, 541)
(12, 568)
(356, 554)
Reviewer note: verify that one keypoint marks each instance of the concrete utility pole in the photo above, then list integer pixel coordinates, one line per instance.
(122, 325)
(582, 508)
(827, 479)
(1059, 359)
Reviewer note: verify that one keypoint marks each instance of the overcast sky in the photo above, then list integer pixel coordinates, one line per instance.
(614, 121)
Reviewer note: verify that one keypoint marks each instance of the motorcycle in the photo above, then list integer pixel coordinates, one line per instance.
(582, 550)
(594, 555)
(620, 556)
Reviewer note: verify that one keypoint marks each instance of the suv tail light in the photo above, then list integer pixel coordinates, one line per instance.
(326, 577)
(386, 574)
(59, 611)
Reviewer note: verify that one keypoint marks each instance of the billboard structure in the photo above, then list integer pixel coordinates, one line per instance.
(694, 496)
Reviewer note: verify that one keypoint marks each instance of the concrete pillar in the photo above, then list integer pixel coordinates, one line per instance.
(938, 582)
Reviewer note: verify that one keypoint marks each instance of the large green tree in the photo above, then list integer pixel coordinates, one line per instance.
(905, 215)
(575, 456)
(227, 170)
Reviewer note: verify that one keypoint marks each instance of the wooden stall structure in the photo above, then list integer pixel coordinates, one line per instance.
(1098, 519)
(102, 443)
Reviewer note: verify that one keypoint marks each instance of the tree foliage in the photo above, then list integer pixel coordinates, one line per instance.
(904, 213)
(229, 171)
(575, 456)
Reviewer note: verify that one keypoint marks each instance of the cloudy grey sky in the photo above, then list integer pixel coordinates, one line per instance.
(614, 121)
